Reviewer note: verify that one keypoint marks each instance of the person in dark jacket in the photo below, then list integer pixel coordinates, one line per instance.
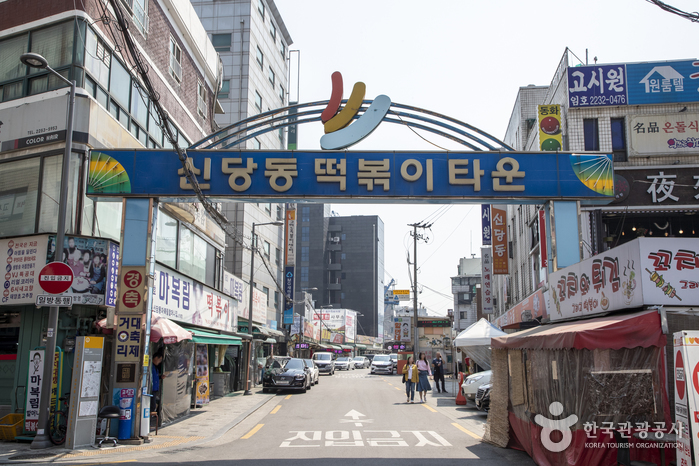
(155, 381)
(438, 371)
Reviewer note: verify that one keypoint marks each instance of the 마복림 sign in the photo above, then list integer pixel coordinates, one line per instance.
(362, 176)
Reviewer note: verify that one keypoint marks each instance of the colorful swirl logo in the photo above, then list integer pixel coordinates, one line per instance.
(339, 133)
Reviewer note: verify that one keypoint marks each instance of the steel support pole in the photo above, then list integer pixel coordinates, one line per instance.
(416, 350)
(42, 433)
(248, 375)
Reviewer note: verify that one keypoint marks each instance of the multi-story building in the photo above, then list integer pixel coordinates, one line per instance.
(648, 124)
(340, 259)
(464, 288)
(84, 42)
(252, 41)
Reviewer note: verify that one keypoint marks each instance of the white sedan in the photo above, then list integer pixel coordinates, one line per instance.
(360, 362)
(473, 382)
(315, 372)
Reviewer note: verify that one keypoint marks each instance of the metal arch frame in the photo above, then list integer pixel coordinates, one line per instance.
(444, 126)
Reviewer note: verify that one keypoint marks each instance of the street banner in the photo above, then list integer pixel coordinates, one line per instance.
(402, 295)
(350, 326)
(543, 243)
(485, 224)
(487, 280)
(202, 376)
(550, 130)
(499, 227)
(290, 237)
(402, 328)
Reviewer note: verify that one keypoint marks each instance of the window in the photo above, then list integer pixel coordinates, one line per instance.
(225, 89)
(260, 57)
(304, 274)
(591, 134)
(271, 77)
(55, 44)
(282, 48)
(166, 241)
(305, 253)
(221, 42)
(266, 249)
(278, 256)
(261, 8)
(305, 233)
(258, 101)
(280, 212)
(265, 290)
(343, 256)
(139, 105)
(276, 299)
(268, 208)
(619, 139)
(175, 60)
(281, 93)
(344, 237)
(273, 30)
(19, 186)
(98, 58)
(201, 99)
(256, 144)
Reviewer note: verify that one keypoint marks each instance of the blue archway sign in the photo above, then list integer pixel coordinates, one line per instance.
(354, 176)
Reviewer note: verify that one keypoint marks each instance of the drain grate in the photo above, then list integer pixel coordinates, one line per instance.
(34, 456)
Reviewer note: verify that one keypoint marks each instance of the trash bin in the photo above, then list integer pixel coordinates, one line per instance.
(126, 413)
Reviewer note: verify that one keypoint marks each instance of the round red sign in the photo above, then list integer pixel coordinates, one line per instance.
(56, 278)
(680, 377)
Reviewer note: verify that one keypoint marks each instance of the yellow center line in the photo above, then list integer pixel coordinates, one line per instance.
(430, 408)
(466, 431)
(276, 408)
(287, 397)
(396, 388)
(113, 462)
(252, 432)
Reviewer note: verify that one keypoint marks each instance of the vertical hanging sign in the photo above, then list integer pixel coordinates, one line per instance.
(499, 228)
(487, 280)
(290, 261)
(686, 348)
(543, 244)
(485, 222)
(550, 137)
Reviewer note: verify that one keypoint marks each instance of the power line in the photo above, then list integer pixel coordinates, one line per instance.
(694, 17)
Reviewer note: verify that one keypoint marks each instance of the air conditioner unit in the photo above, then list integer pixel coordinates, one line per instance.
(336, 239)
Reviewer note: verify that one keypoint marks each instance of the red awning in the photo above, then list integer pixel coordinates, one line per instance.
(160, 327)
(611, 332)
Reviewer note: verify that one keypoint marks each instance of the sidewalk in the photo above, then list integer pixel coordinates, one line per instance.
(209, 423)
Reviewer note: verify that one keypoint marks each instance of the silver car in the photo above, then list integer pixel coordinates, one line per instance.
(360, 362)
(382, 364)
(315, 372)
(343, 364)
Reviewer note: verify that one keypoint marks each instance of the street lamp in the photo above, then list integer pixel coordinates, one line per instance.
(42, 440)
(253, 249)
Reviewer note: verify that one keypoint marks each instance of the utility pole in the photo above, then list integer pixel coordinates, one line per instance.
(416, 237)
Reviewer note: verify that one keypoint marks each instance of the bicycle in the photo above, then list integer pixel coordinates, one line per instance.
(58, 426)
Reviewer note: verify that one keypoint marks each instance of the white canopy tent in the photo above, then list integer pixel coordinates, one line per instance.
(475, 341)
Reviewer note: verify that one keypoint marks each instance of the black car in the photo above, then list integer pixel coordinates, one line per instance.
(292, 374)
(483, 397)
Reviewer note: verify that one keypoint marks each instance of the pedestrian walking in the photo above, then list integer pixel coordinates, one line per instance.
(410, 378)
(423, 383)
(438, 371)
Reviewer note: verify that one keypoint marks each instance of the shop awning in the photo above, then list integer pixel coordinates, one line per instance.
(347, 347)
(161, 328)
(335, 347)
(360, 346)
(638, 329)
(209, 338)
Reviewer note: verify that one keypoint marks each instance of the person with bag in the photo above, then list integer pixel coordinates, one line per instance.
(438, 364)
(410, 377)
(423, 370)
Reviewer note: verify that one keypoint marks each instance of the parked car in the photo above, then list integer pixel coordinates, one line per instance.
(394, 358)
(382, 364)
(483, 397)
(292, 374)
(473, 382)
(325, 362)
(315, 373)
(360, 362)
(343, 364)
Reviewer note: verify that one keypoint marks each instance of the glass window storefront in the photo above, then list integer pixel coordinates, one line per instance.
(51, 193)
(19, 181)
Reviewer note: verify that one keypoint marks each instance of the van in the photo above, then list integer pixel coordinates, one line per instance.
(325, 362)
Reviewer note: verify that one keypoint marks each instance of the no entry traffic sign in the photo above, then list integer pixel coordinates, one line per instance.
(55, 278)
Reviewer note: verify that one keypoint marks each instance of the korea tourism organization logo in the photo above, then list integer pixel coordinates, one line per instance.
(339, 133)
(551, 425)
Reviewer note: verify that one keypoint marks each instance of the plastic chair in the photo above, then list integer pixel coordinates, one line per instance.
(108, 413)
